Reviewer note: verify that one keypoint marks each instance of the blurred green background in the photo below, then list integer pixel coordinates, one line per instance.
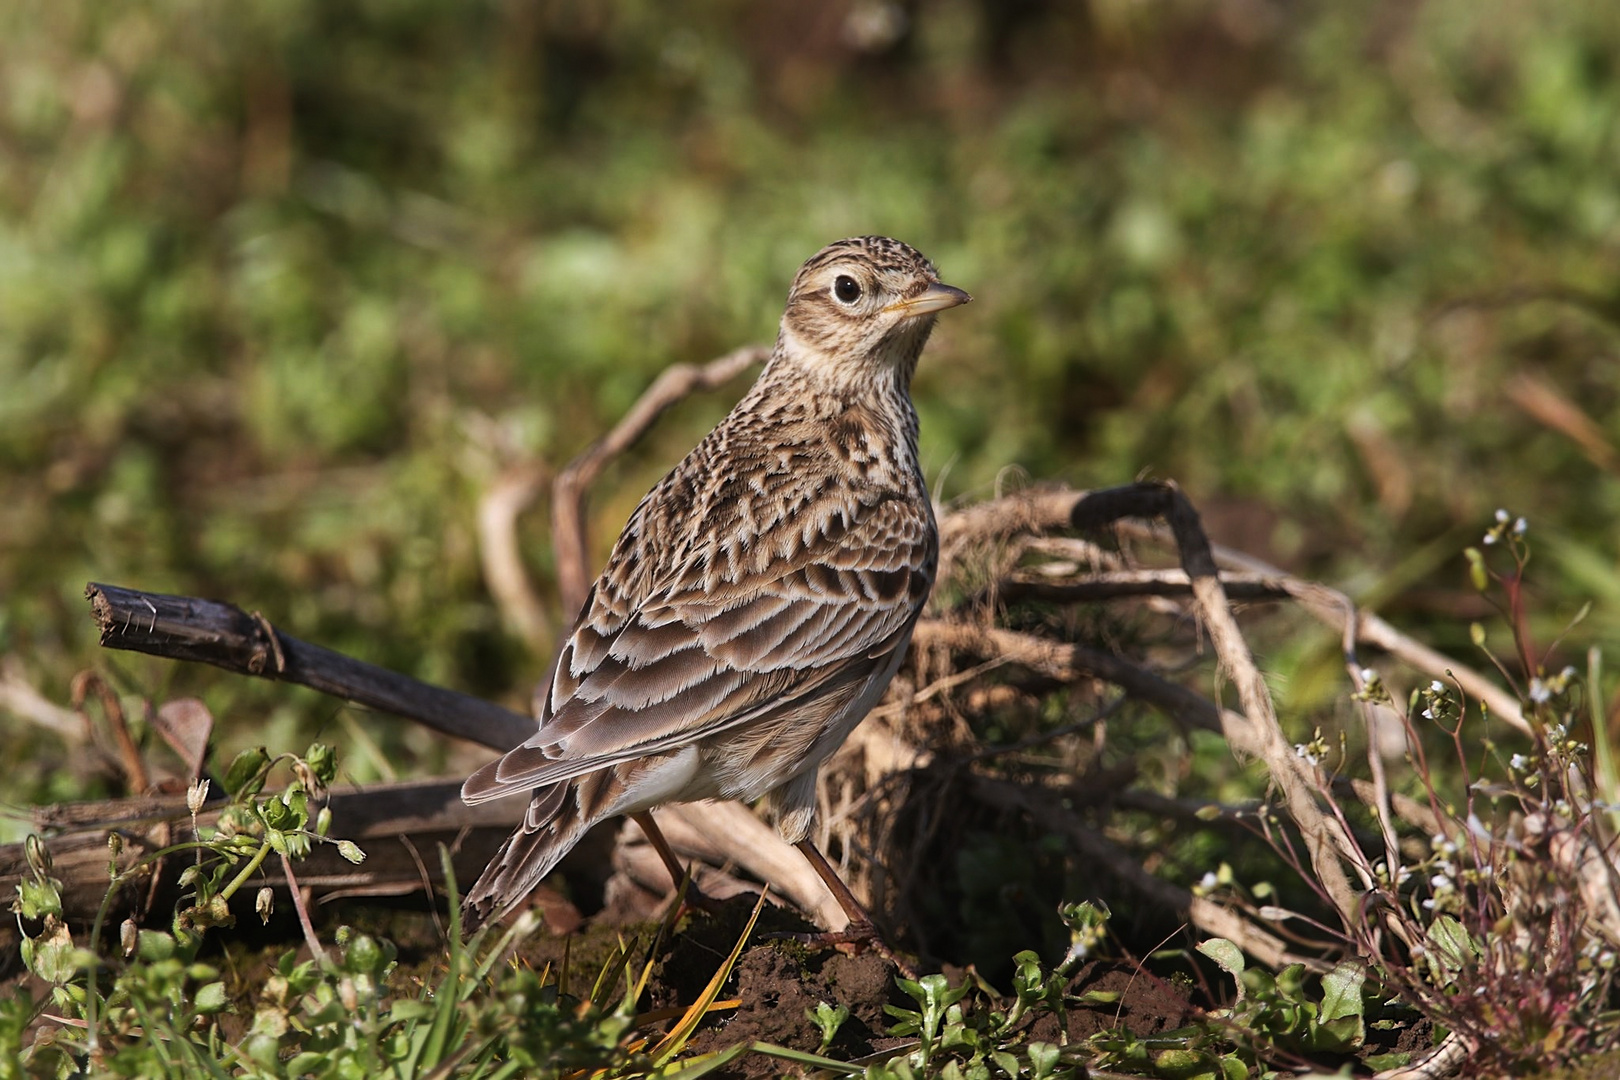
(284, 286)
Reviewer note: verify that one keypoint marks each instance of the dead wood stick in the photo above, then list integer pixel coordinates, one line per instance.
(378, 817)
(18, 696)
(189, 628)
(1326, 839)
(730, 832)
(1046, 509)
(499, 554)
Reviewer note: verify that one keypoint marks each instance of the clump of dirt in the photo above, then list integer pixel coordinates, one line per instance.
(1138, 1000)
(778, 986)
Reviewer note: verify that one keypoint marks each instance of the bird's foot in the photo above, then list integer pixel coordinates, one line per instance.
(850, 941)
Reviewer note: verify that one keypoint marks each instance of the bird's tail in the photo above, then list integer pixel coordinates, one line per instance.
(551, 827)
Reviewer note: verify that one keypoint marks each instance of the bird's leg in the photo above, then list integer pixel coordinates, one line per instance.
(861, 929)
(694, 896)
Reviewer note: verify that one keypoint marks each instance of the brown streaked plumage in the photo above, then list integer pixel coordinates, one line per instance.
(761, 596)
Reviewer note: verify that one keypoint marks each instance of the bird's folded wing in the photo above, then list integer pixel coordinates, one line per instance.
(723, 641)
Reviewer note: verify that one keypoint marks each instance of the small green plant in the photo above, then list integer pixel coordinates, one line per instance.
(971, 1031)
(1499, 927)
(335, 1016)
(828, 1018)
(978, 1039)
(161, 991)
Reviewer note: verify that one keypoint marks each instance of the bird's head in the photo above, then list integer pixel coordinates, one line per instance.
(863, 307)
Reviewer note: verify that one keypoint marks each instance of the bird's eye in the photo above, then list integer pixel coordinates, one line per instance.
(847, 289)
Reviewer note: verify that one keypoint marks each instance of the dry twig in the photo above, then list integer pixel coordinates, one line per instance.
(191, 628)
(498, 551)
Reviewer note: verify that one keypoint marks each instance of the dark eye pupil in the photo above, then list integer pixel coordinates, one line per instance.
(846, 289)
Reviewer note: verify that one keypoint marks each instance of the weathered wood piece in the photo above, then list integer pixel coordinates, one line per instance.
(213, 632)
(399, 826)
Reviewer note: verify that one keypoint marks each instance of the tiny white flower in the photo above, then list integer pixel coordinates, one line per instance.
(1502, 516)
(1440, 883)
(1518, 762)
(1539, 693)
(1569, 672)
(1520, 525)
(1368, 674)
(1428, 714)
(1437, 686)
(1209, 880)
(1490, 538)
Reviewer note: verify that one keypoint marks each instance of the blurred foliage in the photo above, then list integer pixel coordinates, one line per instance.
(284, 285)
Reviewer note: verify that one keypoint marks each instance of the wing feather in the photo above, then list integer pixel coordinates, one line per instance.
(720, 637)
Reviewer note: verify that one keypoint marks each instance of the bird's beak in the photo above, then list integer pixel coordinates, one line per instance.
(937, 297)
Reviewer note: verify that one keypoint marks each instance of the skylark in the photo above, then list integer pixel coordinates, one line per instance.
(761, 596)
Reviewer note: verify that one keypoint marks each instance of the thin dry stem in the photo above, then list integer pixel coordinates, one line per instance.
(501, 555)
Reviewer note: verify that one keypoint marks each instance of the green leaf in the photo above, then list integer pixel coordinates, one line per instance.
(154, 945)
(280, 816)
(1383, 1062)
(1006, 1062)
(705, 1064)
(1290, 983)
(1456, 947)
(1341, 1036)
(1341, 991)
(1043, 1058)
(828, 1019)
(1106, 997)
(211, 998)
(307, 1063)
(52, 956)
(406, 1010)
(322, 760)
(1227, 956)
(246, 775)
(37, 898)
